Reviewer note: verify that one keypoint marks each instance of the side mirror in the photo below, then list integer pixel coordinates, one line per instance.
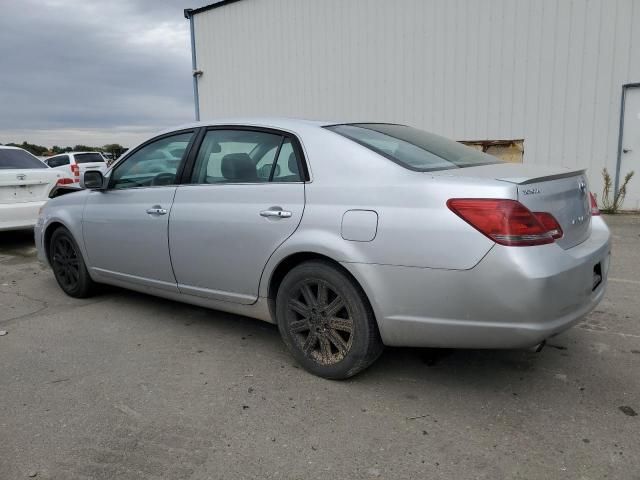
(92, 179)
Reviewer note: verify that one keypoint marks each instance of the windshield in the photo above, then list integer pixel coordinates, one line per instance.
(412, 148)
(10, 158)
(88, 157)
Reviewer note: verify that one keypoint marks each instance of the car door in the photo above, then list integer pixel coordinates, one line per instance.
(125, 226)
(245, 198)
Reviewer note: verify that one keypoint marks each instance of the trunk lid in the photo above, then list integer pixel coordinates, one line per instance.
(566, 197)
(26, 185)
(564, 193)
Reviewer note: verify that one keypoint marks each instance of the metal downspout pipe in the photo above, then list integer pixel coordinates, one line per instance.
(195, 72)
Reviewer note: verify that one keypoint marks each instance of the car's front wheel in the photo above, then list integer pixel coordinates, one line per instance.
(326, 321)
(68, 265)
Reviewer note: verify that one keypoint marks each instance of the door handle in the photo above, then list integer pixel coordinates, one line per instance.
(157, 211)
(274, 212)
(626, 150)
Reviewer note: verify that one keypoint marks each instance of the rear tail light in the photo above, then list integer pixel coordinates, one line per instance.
(550, 224)
(594, 205)
(506, 222)
(75, 170)
(64, 181)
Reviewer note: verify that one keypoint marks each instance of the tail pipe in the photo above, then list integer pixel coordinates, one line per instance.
(538, 348)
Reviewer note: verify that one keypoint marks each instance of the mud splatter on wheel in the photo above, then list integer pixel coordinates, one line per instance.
(326, 321)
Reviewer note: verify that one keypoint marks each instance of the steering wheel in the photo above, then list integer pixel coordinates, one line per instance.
(164, 178)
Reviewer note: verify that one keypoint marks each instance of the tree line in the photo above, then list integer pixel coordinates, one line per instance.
(40, 151)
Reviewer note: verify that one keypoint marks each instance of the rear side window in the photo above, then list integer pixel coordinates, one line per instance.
(58, 161)
(287, 168)
(19, 159)
(412, 148)
(244, 156)
(88, 158)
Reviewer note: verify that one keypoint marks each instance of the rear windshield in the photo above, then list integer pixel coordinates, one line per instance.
(88, 157)
(10, 158)
(412, 148)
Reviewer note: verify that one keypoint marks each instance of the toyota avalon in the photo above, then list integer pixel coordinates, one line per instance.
(348, 236)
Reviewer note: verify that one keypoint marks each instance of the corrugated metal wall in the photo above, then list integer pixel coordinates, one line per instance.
(548, 71)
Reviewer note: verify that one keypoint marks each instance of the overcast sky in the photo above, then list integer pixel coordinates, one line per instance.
(93, 72)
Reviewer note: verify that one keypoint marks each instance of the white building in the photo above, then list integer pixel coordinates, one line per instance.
(549, 72)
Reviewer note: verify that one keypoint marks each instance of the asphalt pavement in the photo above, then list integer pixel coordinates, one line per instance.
(128, 386)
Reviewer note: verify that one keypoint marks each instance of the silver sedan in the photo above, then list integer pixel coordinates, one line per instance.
(349, 237)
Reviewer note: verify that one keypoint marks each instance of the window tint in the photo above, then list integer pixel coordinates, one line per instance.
(88, 158)
(58, 161)
(287, 167)
(235, 156)
(153, 165)
(20, 159)
(413, 148)
(265, 164)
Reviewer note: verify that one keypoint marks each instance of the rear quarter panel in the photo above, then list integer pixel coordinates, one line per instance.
(415, 227)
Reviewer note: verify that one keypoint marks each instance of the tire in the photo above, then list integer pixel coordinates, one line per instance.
(326, 321)
(68, 265)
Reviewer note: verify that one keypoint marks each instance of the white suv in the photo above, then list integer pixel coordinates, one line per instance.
(75, 163)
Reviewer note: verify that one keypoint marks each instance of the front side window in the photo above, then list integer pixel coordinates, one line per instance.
(242, 156)
(155, 164)
(18, 159)
(412, 148)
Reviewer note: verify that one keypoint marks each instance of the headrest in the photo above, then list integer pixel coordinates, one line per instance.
(239, 167)
(293, 164)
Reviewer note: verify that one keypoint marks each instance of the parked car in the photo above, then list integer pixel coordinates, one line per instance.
(74, 163)
(347, 236)
(25, 183)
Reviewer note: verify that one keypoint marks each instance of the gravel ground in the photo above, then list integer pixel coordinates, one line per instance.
(129, 386)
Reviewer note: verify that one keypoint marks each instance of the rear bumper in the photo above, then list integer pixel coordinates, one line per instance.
(16, 216)
(515, 297)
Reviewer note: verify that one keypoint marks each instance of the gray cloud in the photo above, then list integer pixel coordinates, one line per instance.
(91, 69)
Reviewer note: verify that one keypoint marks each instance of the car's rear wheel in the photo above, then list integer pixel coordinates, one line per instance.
(68, 265)
(326, 321)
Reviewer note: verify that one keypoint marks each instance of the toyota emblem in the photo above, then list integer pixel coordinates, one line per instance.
(582, 185)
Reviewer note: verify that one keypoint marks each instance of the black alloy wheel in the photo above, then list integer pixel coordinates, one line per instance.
(68, 265)
(65, 263)
(320, 321)
(326, 321)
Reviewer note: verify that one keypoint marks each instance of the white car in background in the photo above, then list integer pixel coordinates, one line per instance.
(25, 183)
(75, 163)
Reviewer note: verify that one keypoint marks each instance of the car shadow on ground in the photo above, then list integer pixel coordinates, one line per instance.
(457, 368)
(17, 242)
(411, 364)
